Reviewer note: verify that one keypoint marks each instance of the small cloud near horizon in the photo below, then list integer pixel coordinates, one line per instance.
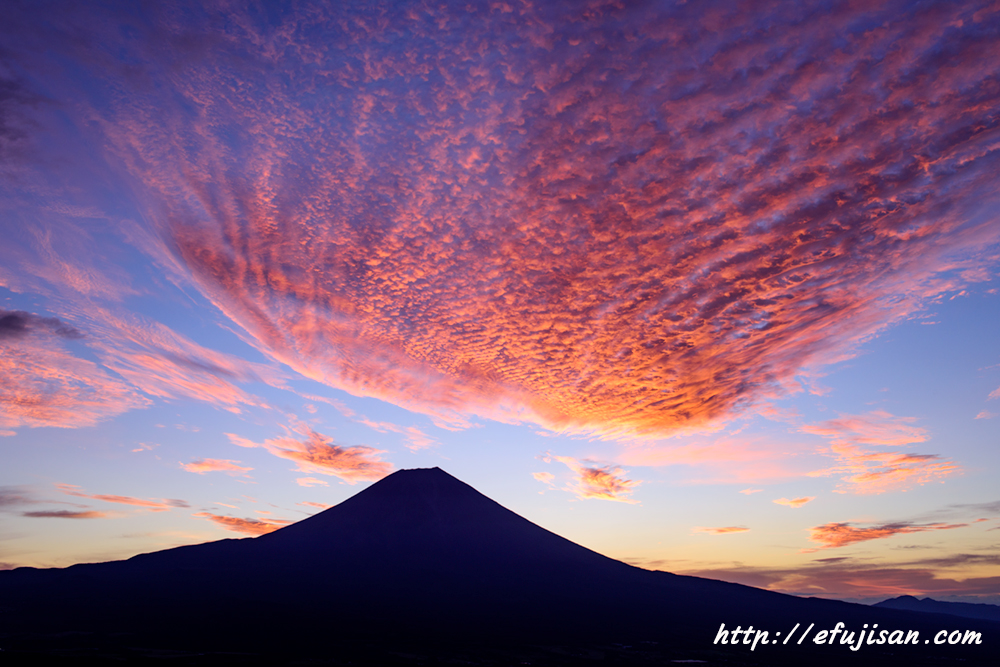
(201, 466)
(725, 530)
(65, 514)
(796, 503)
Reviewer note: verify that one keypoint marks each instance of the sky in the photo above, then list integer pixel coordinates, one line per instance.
(706, 287)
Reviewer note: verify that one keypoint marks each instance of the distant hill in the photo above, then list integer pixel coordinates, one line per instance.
(421, 564)
(990, 612)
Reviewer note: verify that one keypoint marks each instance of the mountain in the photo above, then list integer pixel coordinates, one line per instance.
(423, 559)
(990, 612)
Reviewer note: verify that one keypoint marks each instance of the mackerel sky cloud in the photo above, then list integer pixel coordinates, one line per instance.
(718, 255)
(508, 218)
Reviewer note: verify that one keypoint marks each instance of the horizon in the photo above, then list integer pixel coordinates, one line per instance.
(710, 290)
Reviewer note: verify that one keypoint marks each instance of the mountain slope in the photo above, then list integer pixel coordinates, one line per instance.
(418, 556)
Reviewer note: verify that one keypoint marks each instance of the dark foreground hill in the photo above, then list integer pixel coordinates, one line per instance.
(420, 568)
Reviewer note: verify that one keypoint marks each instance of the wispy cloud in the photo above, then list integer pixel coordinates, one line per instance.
(544, 477)
(43, 384)
(310, 481)
(868, 471)
(65, 514)
(317, 454)
(724, 530)
(795, 503)
(201, 466)
(832, 535)
(309, 503)
(153, 505)
(748, 492)
(245, 526)
(606, 482)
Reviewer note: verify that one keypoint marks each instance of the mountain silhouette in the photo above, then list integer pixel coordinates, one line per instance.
(965, 609)
(421, 557)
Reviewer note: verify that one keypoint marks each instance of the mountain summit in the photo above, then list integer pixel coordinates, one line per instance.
(417, 556)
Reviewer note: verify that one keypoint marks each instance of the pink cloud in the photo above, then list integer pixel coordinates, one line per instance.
(795, 503)
(153, 505)
(309, 503)
(310, 481)
(832, 535)
(602, 482)
(543, 477)
(867, 471)
(201, 466)
(65, 514)
(318, 454)
(45, 385)
(245, 526)
(725, 530)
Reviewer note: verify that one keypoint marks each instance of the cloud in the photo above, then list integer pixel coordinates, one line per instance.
(65, 514)
(750, 491)
(544, 477)
(721, 531)
(164, 364)
(602, 482)
(797, 502)
(42, 384)
(994, 394)
(869, 471)
(986, 414)
(245, 526)
(556, 235)
(317, 454)
(201, 466)
(585, 247)
(153, 505)
(321, 506)
(310, 481)
(833, 535)
(18, 324)
(875, 428)
(13, 496)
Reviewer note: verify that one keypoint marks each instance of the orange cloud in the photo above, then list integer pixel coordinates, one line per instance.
(245, 526)
(833, 535)
(797, 502)
(603, 482)
(65, 514)
(750, 491)
(721, 531)
(154, 505)
(201, 466)
(317, 454)
(868, 471)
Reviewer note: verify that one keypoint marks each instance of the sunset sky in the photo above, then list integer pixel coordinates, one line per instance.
(708, 287)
